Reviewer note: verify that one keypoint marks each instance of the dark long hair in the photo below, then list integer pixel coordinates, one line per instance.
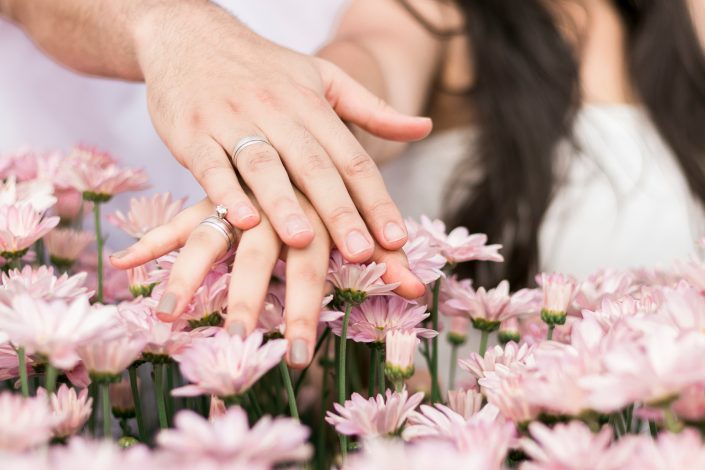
(525, 97)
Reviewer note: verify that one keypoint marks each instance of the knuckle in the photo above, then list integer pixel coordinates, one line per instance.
(239, 306)
(300, 323)
(259, 159)
(200, 237)
(342, 214)
(316, 162)
(360, 165)
(205, 168)
(382, 206)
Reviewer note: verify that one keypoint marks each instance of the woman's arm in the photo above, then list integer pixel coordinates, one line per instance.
(382, 46)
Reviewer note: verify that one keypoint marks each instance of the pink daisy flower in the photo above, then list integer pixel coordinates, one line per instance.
(227, 366)
(98, 177)
(486, 308)
(425, 261)
(227, 441)
(54, 329)
(37, 193)
(668, 451)
(9, 363)
(71, 409)
(383, 454)
(375, 416)
(353, 283)
(400, 347)
(465, 402)
(103, 454)
(138, 280)
(147, 213)
(373, 319)
(601, 284)
(557, 296)
(24, 422)
(20, 226)
(107, 357)
(65, 245)
(572, 446)
(41, 283)
(459, 245)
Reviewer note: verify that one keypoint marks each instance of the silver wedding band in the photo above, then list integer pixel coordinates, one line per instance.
(219, 223)
(245, 142)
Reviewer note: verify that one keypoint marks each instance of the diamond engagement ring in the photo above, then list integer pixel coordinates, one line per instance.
(245, 142)
(219, 223)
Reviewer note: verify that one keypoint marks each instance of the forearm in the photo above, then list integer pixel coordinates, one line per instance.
(95, 37)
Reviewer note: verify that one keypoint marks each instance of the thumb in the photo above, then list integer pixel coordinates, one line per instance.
(356, 104)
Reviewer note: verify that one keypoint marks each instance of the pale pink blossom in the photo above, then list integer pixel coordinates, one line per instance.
(486, 308)
(451, 287)
(96, 173)
(24, 422)
(227, 366)
(217, 409)
(684, 305)
(558, 292)
(510, 355)
(465, 402)
(209, 302)
(690, 404)
(458, 331)
(571, 446)
(271, 318)
(147, 213)
(37, 193)
(373, 319)
(459, 245)
(71, 409)
(603, 283)
(229, 442)
(384, 454)
(356, 282)
(65, 245)
(506, 389)
(110, 355)
(102, 454)
(400, 347)
(54, 329)
(41, 283)
(20, 226)
(70, 204)
(121, 399)
(692, 271)
(509, 331)
(436, 421)
(138, 280)
(425, 261)
(669, 451)
(376, 416)
(9, 363)
(611, 311)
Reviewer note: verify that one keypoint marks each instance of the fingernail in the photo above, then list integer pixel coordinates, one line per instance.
(120, 254)
(298, 355)
(296, 225)
(236, 328)
(167, 304)
(244, 212)
(357, 243)
(393, 232)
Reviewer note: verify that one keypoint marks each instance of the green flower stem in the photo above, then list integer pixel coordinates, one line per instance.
(398, 385)
(374, 360)
(286, 378)
(23, 372)
(380, 370)
(435, 387)
(159, 394)
(653, 429)
(321, 435)
(252, 397)
(99, 246)
(168, 398)
(303, 373)
(132, 371)
(549, 336)
(342, 357)
(355, 384)
(484, 336)
(105, 398)
(93, 392)
(453, 365)
(50, 378)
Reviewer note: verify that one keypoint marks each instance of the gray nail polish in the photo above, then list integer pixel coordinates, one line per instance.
(167, 304)
(298, 355)
(237, 328)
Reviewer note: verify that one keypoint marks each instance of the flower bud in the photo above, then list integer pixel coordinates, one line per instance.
(401, 347)
(557, 294)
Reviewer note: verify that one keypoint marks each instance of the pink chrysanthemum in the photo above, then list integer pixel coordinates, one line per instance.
(558, 292)
(65, 245)
(71, 409)
(227, 441)
(465, 402)
(667, 451)
(355, 282)
(54, 329)
(102, 454)
(147, 213)
(98, 177)
(41, 283)
(510, 355)
(425, 260)
(400, 347)
(20, 226)
(459, 245)
(383, 454)
(110, 355)
(486, 308)
(227, 366)
(572, 446)
(24, 422)
(375, 416)
(37, 193)
(374, 318)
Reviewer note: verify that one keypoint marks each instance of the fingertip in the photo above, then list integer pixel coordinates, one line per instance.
(299, 240)
(410, 287)
(299, 354)
(244, 216)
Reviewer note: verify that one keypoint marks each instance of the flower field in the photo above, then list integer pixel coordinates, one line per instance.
(601, 373)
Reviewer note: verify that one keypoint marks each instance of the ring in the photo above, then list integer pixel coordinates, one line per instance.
(221, 225)
(246, 142)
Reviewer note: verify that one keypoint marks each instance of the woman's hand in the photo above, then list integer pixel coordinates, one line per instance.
(257, 252)
(211, 82)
